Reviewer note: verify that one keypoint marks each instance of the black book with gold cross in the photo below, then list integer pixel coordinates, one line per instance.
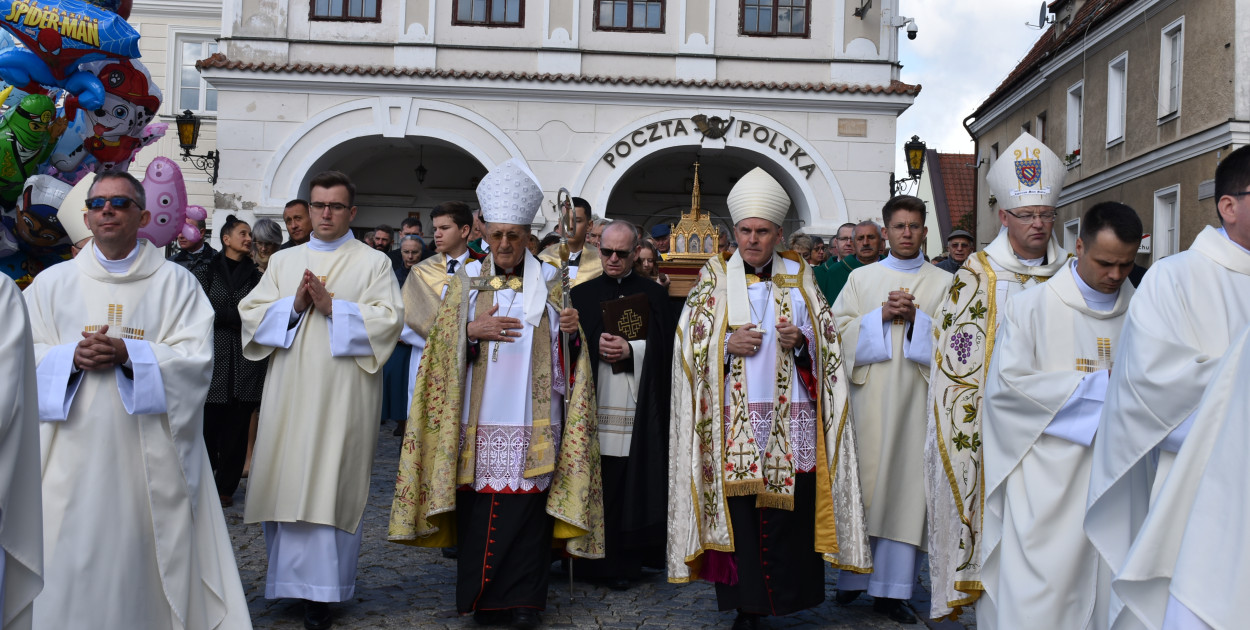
(626, 317)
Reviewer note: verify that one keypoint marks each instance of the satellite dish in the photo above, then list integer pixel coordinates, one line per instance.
(1042, 20)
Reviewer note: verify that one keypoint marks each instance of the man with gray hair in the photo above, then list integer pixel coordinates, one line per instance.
(596, 230)
(831, 278)
(629, 328)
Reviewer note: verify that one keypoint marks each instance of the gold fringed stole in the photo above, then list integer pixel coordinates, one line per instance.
(771, 477)
(540, 458)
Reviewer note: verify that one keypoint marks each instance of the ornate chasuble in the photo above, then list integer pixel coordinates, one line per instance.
(451, 408)
(1049, 341)
(1186, 312)
(319, 413)
(964, 332)
(588, 266)
(132, 492)
(21, 537)
(707, 462)
(888, 400)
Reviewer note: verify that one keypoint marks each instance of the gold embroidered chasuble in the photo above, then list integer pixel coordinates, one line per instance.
(433, 464)
(589, 266)
(423, 298)
(964, 332)
(705, 464)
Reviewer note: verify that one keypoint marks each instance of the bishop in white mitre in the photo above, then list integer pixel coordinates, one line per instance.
(1187, 310)
(1043, 400)
(21, 517)
(134, 535)
(884, 314)
(327, 315)
(1027, 180)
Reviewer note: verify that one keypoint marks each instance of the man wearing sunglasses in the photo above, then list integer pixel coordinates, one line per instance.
(629, 328)
(124, 343)
(1027, 181)
(1188, 310)
(327, 316)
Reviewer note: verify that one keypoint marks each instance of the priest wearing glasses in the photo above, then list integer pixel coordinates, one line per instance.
(885, 316)
(764, 478)
(1027, 182)
(327, 315)
(501, 454)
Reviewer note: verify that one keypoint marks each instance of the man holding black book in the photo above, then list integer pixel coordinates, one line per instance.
(629, 331)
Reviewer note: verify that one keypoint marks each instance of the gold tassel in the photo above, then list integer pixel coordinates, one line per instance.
(744, 487)
(775, 501)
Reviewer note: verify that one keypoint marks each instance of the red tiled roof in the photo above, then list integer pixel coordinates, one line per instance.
(220, 61)
(953, 178)
(959, 178)
(1091, 14)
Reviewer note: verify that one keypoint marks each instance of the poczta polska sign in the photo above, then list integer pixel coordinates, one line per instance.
(743, 133)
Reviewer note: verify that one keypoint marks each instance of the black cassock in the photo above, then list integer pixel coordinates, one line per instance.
(635, 488)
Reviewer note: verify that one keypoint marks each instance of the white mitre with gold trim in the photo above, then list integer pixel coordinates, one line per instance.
(510, 193)
(1027, 174)
(758, 196)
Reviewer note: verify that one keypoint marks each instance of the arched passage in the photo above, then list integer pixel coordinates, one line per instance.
(645, 168)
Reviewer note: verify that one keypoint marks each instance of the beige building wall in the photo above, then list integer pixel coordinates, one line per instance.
(1155, 153)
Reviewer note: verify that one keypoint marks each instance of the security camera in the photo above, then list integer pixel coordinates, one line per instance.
(912, 30)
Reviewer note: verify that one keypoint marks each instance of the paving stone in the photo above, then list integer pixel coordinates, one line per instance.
(410, 587)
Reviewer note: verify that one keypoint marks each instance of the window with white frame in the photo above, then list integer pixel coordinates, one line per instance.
(1171, 59)
(1076, 117)
(1071, 231)
(1117, 98)
(191, 90)
(1166, 232)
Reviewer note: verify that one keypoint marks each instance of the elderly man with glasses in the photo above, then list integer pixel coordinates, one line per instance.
(959, 246)
(1027, 183)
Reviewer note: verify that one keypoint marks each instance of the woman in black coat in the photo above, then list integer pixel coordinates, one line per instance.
(227, 277)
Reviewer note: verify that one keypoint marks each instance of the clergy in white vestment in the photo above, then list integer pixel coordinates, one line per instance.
(1187, 310)
(1027, 181)
(495, 460)
(327, 315)
(1043, 399)
(763, 460)
(584, 263)
(884, 314)
(427, 281)
(134, 536)
(1199, 518)
(21, 516)
(629, 324)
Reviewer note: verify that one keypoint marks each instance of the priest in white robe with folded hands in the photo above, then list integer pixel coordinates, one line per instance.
(1187, 310)
(327, 315)
(1043, 400)
(134, 536)
(884, 315)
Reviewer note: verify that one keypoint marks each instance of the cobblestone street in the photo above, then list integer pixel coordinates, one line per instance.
(407, 587)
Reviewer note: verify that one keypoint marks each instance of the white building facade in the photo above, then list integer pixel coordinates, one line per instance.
(418, 99)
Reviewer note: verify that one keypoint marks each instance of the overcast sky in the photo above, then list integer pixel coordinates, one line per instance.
(964, 49)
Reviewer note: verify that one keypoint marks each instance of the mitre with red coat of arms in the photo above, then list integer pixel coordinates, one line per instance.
(1027, 174)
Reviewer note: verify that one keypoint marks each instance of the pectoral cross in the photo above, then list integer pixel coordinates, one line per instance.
(1103, 362)
(898, 321)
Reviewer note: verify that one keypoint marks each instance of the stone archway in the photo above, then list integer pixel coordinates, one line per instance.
(800, 168)
(386, 118)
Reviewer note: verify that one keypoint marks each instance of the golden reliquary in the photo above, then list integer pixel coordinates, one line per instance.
(693, 242)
